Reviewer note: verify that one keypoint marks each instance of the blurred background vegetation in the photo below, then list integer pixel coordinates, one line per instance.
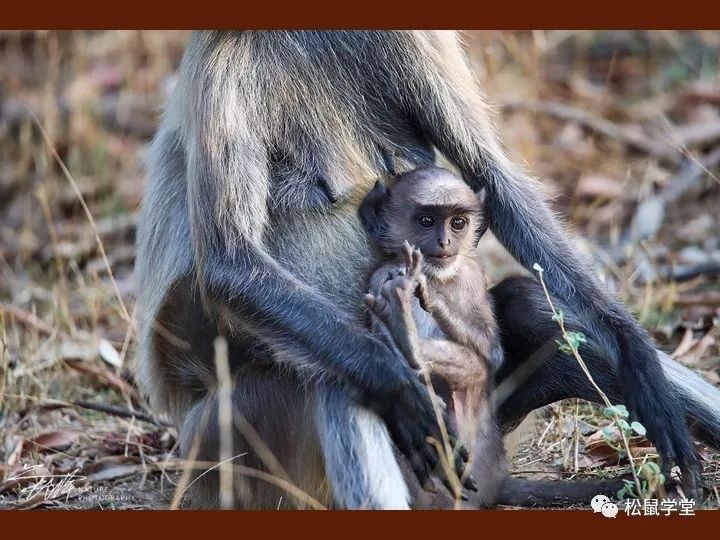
(622, 128)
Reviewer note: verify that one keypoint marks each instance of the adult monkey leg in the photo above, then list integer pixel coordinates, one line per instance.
(296, 444)
(536, 373)
(450, 111)
(316, 449)
(276, 459)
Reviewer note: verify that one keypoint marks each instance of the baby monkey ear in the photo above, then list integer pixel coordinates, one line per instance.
(482, 216)
(371, 210)
(481, 230)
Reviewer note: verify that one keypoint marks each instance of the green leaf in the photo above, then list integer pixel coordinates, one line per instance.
(622, 424)
(628, 490)
(574, 339)
(638, 428)
(564, 347)
(616, 410)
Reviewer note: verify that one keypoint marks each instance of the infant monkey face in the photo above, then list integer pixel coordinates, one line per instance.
(430, 208)
(441, 233)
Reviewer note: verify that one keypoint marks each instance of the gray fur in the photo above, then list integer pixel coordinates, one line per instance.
(351, 435)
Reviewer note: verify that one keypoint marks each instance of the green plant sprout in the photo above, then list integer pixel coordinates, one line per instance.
(653, 478)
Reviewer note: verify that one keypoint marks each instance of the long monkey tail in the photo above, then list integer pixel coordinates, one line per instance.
(699, 398)
(548, 493)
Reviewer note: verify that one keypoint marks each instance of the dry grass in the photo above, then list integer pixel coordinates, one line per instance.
(605, 119)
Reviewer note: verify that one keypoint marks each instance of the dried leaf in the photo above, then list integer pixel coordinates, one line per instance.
(693, 355)
(51, 441)
(586, 461)
(685, 344)
(598, 447)
(114, 471)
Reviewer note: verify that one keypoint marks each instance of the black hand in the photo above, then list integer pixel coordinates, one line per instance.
(411, 419)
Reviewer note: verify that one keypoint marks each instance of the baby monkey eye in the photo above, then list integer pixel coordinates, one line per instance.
(426, 221)
(458, 223)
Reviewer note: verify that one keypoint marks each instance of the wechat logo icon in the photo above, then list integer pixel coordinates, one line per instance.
(603, 505)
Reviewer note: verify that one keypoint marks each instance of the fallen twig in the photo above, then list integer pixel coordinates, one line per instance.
(27, 318)
(106, 376)
(707, 298)
(121, 412)
(650, 213)
(696, 134)
(658, 149)
(687, 272)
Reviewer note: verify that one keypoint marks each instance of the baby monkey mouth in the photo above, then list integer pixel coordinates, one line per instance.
(442, 259)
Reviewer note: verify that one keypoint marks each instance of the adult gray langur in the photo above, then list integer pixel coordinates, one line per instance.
(249, 229)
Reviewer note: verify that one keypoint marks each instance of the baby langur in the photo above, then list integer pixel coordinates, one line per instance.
(431, 303)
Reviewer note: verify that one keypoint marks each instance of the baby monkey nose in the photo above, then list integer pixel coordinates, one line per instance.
(444, 241)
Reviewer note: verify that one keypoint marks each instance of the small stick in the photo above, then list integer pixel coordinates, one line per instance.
(690, 174)
(27, 318)
(654, 148)
(120, 412)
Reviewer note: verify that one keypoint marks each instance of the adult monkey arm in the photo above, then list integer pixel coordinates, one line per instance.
(450, 111)
(228, 189)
